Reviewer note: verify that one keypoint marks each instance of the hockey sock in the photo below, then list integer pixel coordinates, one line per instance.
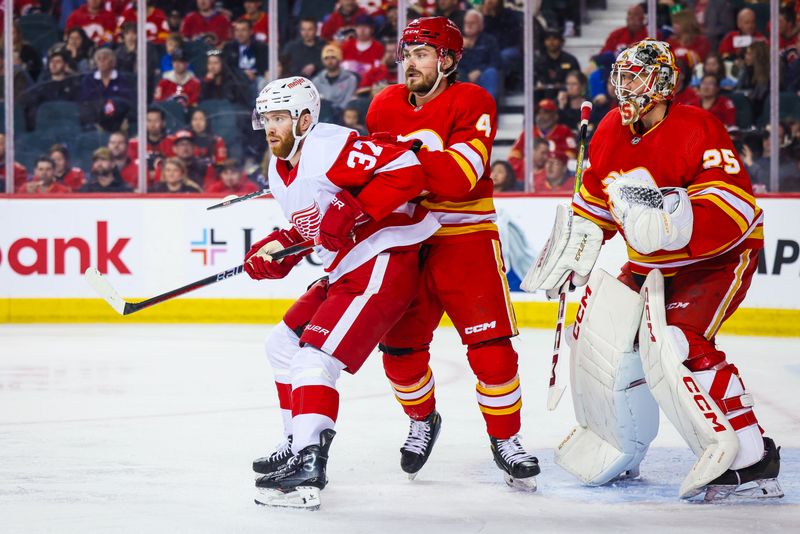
(498, 390)
(412, 381)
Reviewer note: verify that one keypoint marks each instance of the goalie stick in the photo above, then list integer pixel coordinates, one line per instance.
(554, 391)
(104, 288)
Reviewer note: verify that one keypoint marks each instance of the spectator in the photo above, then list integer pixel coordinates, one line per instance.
(503, 178)
(303, 56)
(246, 54)
(541, 148)
(545, 127)
(174, 179)
(552, 66)
(683, 93)
(571, 99)
(735, 43)
(715, 66)
(718, 19)
(557, 179)
(754, 77)
(506, 26)
(156, 27)
(180, 83)
(29, 59)
(20, 172)
(335, 84)
(788, 32)
(687, 41)
(159, 146)
(197, 170)
(206, 24)
(633, 31)
(97, 22)
(364, 52)
(221, 84)
(174, 42)
(72, 177)
(452, 10)
(207, 146)
(102, 178)
(231, 182)
(602, 104)
(22, 80)
(259, 20)
(126, 56)
(710, 100)
(79, 49)
(751, 153)
(43, 181)
(107, 96)
(120, 158)
(389, 30)
(351, 117)
(480, 62)
(174, 20)
(341, 23)
(57, 83)
(379, 77)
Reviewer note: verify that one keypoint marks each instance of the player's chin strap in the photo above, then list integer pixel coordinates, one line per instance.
(297, 138)
(439, 74)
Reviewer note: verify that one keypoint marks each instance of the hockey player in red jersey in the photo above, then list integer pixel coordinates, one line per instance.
(667, 178)
(456, 123)
(350, 195)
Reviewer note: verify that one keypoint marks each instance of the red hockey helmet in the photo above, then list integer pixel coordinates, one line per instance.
(438, 32)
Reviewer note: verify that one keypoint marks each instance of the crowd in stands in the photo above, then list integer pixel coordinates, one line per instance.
(75, 82)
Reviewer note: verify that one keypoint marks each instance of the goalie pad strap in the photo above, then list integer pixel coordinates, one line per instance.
(739, 402)
(743, 421)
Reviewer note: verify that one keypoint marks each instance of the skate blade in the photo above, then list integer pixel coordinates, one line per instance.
(524, 484)
(412, 476)
(302, 497)
(768, 488)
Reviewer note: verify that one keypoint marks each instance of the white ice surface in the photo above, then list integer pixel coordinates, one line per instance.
(150, 429)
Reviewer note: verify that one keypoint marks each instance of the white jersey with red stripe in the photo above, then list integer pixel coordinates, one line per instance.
(382, 177)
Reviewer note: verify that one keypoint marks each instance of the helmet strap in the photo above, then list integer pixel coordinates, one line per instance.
(297, 138)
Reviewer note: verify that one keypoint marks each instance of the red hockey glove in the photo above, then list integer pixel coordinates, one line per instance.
(342, 216)
(258, 262)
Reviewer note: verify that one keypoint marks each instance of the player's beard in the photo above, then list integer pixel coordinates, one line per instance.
(420, 86)
(284, 147)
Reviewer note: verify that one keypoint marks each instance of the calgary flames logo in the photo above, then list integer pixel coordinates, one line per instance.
(307, 221)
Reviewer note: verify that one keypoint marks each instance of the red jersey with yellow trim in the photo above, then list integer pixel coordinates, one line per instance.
(690, 149)
(457, 129)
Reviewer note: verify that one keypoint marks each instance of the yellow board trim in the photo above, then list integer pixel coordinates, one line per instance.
(502, 411)
(745, 322)
(465, 167)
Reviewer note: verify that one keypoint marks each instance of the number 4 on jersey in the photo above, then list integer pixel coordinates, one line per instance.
(484, 125)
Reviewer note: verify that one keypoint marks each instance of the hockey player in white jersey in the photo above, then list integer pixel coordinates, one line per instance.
(350, 195)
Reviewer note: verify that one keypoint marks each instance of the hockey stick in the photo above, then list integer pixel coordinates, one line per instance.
(227, 201)
(554, 391)
(104, 288)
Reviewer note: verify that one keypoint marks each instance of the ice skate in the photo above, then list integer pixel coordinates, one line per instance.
(758, 481)
(275, 461)
(419, 443)
(519, 468)
(300, 481)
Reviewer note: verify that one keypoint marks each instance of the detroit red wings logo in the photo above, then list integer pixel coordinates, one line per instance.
(307, 221)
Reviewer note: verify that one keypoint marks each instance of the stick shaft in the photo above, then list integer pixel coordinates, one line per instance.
(242, 198)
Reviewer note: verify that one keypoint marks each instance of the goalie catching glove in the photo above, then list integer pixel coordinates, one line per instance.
(572, 248)
(258, 261)
(651, 218)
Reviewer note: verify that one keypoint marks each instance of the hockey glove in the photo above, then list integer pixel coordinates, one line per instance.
(258, 260)
(339, 221)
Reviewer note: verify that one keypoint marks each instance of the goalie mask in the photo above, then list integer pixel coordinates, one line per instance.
(295, 95)
(643, 75)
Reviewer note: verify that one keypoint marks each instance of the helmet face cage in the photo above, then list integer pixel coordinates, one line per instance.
(295, 95)
(642, 76)
(439, 32)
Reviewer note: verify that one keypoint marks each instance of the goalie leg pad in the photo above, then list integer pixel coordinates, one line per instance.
(683, 400)
(617, 416)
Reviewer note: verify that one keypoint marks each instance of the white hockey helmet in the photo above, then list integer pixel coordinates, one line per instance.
(652, 64)
(295, 95)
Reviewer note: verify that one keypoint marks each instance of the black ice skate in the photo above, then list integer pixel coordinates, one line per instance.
(298, 484)
(758, 481)
(519, 468)
(419, 443)
(276, 460)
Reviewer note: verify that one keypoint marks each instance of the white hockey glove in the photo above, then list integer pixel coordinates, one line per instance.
(572, 248)
(652, 219)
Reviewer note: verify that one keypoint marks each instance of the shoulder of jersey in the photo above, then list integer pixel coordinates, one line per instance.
(469, 90)
(324, 145)
(697, 118)
(394, 91)
(611, 119)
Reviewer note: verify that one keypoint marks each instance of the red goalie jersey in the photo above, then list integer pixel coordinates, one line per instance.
(457, 142)
(689, 149)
